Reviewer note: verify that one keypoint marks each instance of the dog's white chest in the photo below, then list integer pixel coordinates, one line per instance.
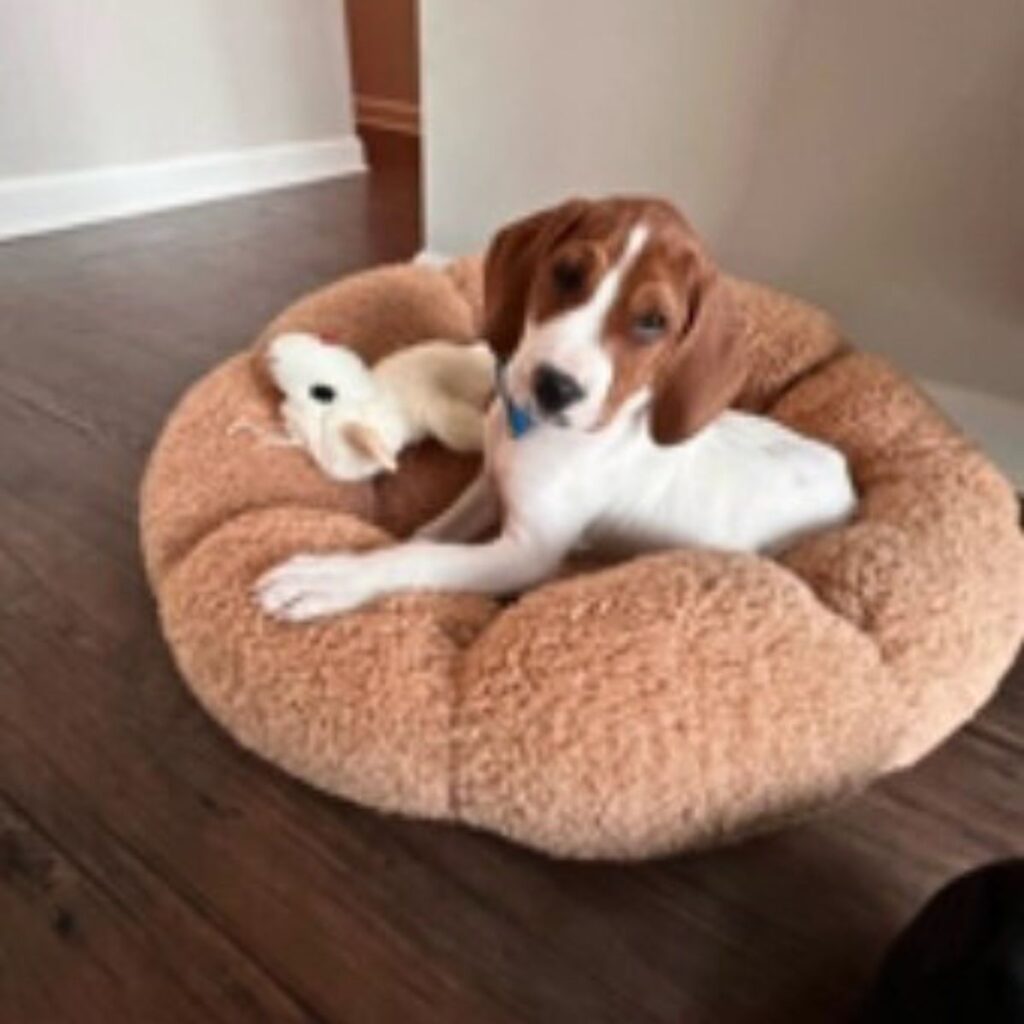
(548, 473)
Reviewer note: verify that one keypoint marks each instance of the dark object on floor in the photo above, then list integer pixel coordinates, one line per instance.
(962, 958)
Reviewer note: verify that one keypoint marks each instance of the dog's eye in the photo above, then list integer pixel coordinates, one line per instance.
(568, 276)
(649, 326)
(322, 393)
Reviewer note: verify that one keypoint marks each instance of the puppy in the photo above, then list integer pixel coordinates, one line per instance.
(612, 428)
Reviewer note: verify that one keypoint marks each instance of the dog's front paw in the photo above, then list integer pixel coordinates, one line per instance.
(312, 586)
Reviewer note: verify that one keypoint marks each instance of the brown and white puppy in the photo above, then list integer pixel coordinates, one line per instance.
(619, 296)
(624, 354)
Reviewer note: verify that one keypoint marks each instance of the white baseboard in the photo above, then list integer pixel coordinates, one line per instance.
(996, 423)
(49, 202)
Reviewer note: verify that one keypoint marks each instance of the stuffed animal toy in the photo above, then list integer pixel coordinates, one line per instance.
(354, 421)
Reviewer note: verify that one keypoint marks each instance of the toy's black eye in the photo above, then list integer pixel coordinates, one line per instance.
(322, 393)
(568, 276)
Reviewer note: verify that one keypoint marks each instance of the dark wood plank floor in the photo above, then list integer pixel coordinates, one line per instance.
(150, 871)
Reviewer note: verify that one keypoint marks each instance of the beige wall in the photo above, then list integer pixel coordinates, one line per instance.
(867, 155)
(89, 83)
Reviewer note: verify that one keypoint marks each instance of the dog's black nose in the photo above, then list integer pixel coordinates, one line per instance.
(553, 389)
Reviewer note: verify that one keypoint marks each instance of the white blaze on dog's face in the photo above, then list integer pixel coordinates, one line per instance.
(598, 302)
(570, 343)
(331, 405)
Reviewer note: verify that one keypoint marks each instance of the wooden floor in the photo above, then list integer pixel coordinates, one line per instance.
(151, 872)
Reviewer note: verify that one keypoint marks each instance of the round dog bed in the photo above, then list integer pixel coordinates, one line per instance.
(678, 699)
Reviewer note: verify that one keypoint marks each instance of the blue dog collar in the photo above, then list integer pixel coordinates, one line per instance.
(519, 419)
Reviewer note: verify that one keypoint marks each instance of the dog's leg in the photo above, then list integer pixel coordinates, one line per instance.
(475, 511)
(311, 586)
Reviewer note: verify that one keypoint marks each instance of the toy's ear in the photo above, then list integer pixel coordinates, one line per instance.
(509, 268)
(707, 373)
(368, 442)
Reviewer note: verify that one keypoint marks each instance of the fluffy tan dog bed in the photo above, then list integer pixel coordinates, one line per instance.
(675, 700)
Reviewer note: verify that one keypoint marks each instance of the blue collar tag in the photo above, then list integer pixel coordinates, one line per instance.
(519, 420)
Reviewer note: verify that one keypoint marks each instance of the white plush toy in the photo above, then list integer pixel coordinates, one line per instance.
(354, 421)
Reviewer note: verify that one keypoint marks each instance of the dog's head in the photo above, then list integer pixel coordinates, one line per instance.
(598, 302)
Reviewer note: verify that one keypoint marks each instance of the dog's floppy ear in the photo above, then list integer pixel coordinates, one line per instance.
(509, 268)
(707, 373)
